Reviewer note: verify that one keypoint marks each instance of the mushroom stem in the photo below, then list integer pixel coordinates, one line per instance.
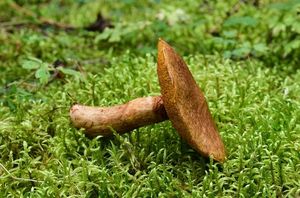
(121, 118)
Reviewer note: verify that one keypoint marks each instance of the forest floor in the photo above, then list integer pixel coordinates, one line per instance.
(243, 54)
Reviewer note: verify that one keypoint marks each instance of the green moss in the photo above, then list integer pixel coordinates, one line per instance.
(256, 114)
(255, 106)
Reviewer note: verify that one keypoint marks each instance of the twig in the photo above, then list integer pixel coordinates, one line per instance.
(12, 23)
(18, 178)
(41, 20)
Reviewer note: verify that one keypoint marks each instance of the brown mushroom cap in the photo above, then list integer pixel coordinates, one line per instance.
(186, 105)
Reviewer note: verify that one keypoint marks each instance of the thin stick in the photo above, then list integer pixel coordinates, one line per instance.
(42, 20)
(18, 178)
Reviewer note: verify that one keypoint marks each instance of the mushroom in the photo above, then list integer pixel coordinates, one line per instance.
(181, 101)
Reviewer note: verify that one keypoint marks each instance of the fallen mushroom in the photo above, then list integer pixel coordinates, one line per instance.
(182, 102)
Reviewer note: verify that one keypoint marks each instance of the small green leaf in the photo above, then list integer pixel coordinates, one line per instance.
(70, 72)
(227, 54)
(280, 27)
(116, 33)
(104, 35)
(224, 41)
(35, 59)
(28, 64)
(244, 21)
(260, 47)
(115, 37)
(293, 45)
(284, 6)
(296, 27)
(230, 34)
(43, 73)
(241, 52)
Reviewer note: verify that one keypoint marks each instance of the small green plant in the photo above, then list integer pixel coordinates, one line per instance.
(120, 31)
(43, 70)
(271, 35)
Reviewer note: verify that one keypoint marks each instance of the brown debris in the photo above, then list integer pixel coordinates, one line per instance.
(100, 24)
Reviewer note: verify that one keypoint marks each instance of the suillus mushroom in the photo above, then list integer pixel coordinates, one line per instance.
(181, 101)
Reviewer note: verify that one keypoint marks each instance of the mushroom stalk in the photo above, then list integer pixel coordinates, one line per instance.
(121, 118)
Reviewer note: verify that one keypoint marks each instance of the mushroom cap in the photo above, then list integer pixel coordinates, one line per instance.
(185, 104)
